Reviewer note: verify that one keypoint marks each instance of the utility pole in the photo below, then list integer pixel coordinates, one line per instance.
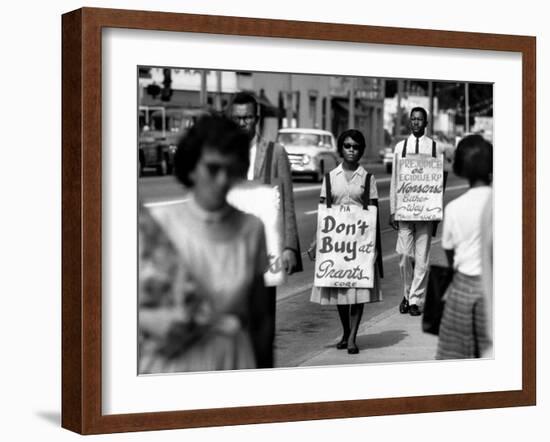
(351, 104)
(431, 107)
(399, 110)
(289, 103)
(203, 93)
(467, 107)
(219, 91)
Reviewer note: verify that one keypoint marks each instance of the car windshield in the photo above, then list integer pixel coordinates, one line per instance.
(303, 139)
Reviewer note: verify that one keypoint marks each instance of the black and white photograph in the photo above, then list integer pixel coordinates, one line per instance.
(219, 225)
(290, 220)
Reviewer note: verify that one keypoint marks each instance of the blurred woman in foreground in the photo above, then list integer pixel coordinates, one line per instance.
(201, 291)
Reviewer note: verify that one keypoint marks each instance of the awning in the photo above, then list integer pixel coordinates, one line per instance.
(180, 112)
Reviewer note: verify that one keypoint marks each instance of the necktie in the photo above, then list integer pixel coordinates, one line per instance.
(417, 145)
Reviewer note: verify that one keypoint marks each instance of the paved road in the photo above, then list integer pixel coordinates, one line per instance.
(305, 329)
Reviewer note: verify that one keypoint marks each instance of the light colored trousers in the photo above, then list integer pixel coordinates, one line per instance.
(414, 239)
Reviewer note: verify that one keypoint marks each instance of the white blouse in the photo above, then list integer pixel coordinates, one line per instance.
(462, 229)
(349, 192)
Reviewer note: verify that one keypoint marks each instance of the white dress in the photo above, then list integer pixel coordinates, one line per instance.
(223, 253)
(348, 192)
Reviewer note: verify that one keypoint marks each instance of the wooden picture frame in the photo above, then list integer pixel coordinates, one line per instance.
(82, 220)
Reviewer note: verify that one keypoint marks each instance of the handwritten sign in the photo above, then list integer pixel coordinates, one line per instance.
(419, 188)
(346, 246)
(264, 202)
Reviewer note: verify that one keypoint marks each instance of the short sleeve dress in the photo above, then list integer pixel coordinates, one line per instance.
(348, 192)
(224, 255)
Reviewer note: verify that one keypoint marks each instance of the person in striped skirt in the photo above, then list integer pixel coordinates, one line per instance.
(463, 333)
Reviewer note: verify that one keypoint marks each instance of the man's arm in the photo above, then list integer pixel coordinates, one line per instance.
(450, 254)
(291, 246)
(393, 183)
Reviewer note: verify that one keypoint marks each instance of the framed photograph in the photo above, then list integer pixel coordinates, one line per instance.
(141, 90)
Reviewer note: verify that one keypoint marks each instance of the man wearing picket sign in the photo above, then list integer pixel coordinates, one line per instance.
(268, 194)
(416, 205)
(347, 251)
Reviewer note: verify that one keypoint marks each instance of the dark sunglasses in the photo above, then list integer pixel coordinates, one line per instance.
(351, 146)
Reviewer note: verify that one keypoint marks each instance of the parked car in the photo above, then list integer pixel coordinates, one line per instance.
(312, 152)
(158, 147)
(157, 152)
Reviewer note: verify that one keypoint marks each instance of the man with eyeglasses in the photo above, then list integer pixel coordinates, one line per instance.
(413, 237)
(269, 164)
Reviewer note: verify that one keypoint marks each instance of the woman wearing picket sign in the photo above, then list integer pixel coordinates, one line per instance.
(350, 184)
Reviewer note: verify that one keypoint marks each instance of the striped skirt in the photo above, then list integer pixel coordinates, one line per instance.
(463, 330)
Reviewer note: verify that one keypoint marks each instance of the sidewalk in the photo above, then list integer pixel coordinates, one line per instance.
(385, 335)
(389, 337)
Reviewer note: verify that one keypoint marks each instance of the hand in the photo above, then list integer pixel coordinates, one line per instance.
(289, 261)
(159, 321)
(312, 250)
(393, 223)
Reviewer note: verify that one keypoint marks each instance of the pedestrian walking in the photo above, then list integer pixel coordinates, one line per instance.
(413, 237)
(203, 304)
(487, 270)
(350, 184)
(269, 164)
(463, 332)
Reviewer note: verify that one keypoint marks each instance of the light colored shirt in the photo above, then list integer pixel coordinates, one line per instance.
(424, 147)
(349, 192)
(222, 251)
(462, 229)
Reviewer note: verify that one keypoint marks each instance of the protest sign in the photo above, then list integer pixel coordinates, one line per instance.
(419, 188)
(264, 202)
(346, 246)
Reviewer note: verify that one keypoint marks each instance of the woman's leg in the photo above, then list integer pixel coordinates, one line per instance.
(356, 314)
(343, 312)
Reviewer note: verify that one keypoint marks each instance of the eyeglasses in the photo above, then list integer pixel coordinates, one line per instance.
(351, 146)
(246, 118)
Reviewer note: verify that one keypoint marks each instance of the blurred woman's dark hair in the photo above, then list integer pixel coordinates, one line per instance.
(474, 159)
(356, 136)
(213, 132)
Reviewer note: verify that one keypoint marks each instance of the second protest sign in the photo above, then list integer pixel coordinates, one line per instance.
(419, 188)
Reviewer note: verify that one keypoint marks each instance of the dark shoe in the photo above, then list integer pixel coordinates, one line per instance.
(342, 344)
(353, 349)
(414, 310)
(404, 306)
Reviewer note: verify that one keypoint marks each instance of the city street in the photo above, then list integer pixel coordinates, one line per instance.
(304, 329)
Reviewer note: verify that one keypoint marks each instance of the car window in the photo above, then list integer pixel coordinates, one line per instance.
(326, 143)
(301, 139)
